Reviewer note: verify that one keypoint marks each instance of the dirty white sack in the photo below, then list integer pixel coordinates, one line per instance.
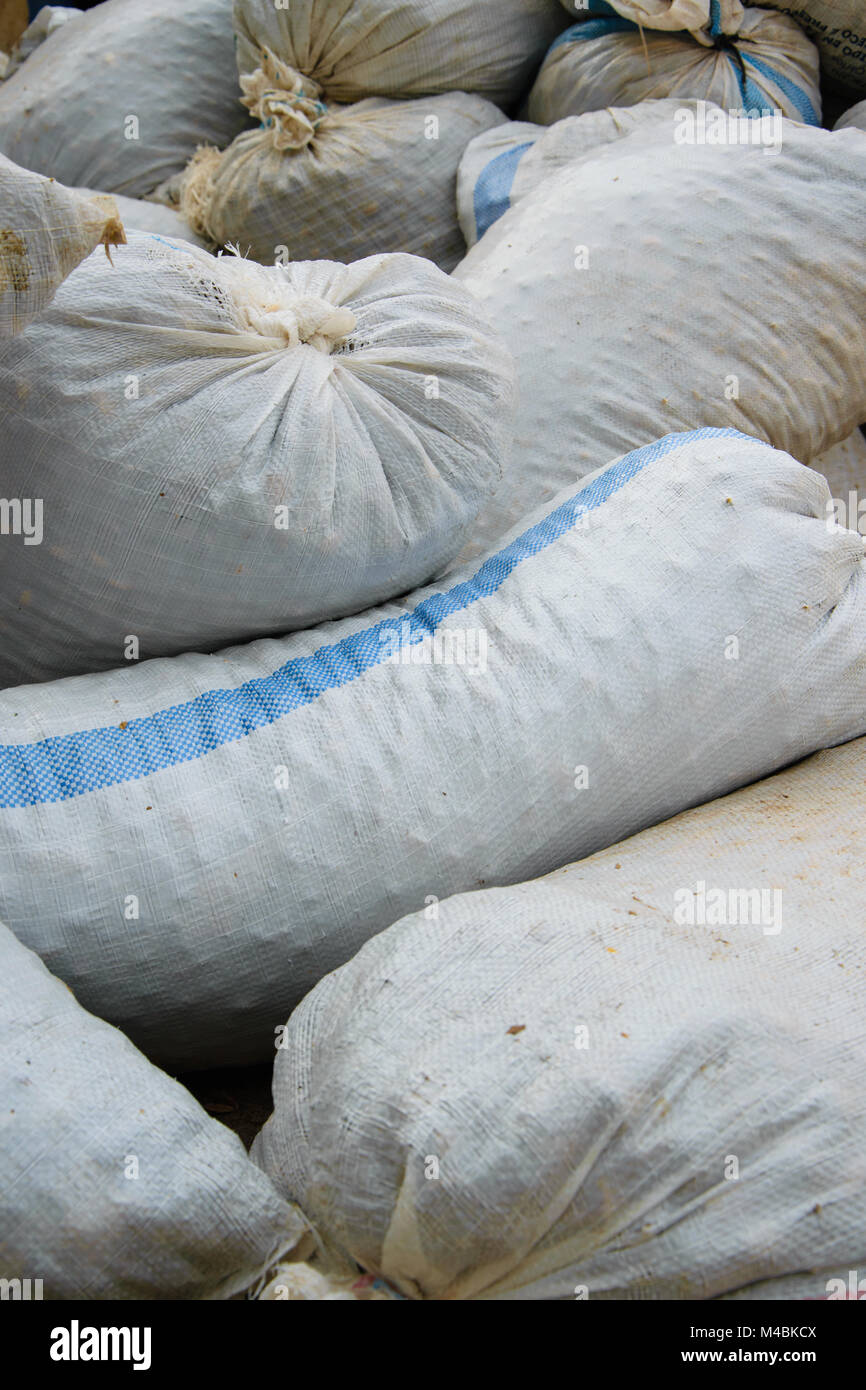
(193, 843)
(642, 1077)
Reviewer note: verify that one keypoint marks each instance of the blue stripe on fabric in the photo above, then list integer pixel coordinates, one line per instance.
(795, 94)
(592, 29)
(70, 765)
(493, 189)
(755, 102)
(715, 18)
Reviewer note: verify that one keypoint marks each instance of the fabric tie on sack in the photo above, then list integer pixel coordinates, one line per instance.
(836, 26)
(415, 48)
(767, 64)
(227, 450)
(340, 183)
(285, 101)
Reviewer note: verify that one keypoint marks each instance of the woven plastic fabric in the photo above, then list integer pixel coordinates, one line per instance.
(114, 1183)
(121, 98)
(645, 289)
(192, 844)
(770, 65)
(219, 450)
(639, 1078)
(46, 231)
(361, 48)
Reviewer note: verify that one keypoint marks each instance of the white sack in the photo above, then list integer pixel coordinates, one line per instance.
(771, 65)
(194, 843)
(504, 165)
(49, 19)
(139, 215)
(855, 118)
(645, 289)
(402, 48)
(114, 1183)
(48, 230)
(586, 1060)
(121, 99)
(485, 177)
(352, 181)
(222, 450)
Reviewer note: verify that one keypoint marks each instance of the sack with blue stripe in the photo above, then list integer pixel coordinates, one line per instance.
(191, 844)
(507, 163)
(644, 288)
(838, 27)
(768, 65)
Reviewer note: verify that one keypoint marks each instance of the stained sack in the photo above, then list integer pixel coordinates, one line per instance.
(643, 289)
(236, 826)
(360, 48)
(140, 85)
(336, 183)
(770, 65)
(208, 450)
(140, 215)
(48, 231)
(114, 1183)
(641, 1077)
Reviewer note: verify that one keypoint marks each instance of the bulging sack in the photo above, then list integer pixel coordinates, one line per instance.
(770, 66)
(340, 182)
(504, 165)
(640, 1077)
(48, 231)
(401, 48)
(114, 1183)
(643, 290)
(194, 843)
(121, 98)
(836, 26)
(222, 450)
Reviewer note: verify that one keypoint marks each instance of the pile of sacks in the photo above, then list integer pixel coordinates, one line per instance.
(434, 500)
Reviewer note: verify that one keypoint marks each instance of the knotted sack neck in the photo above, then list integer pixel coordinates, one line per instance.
(287, 102)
